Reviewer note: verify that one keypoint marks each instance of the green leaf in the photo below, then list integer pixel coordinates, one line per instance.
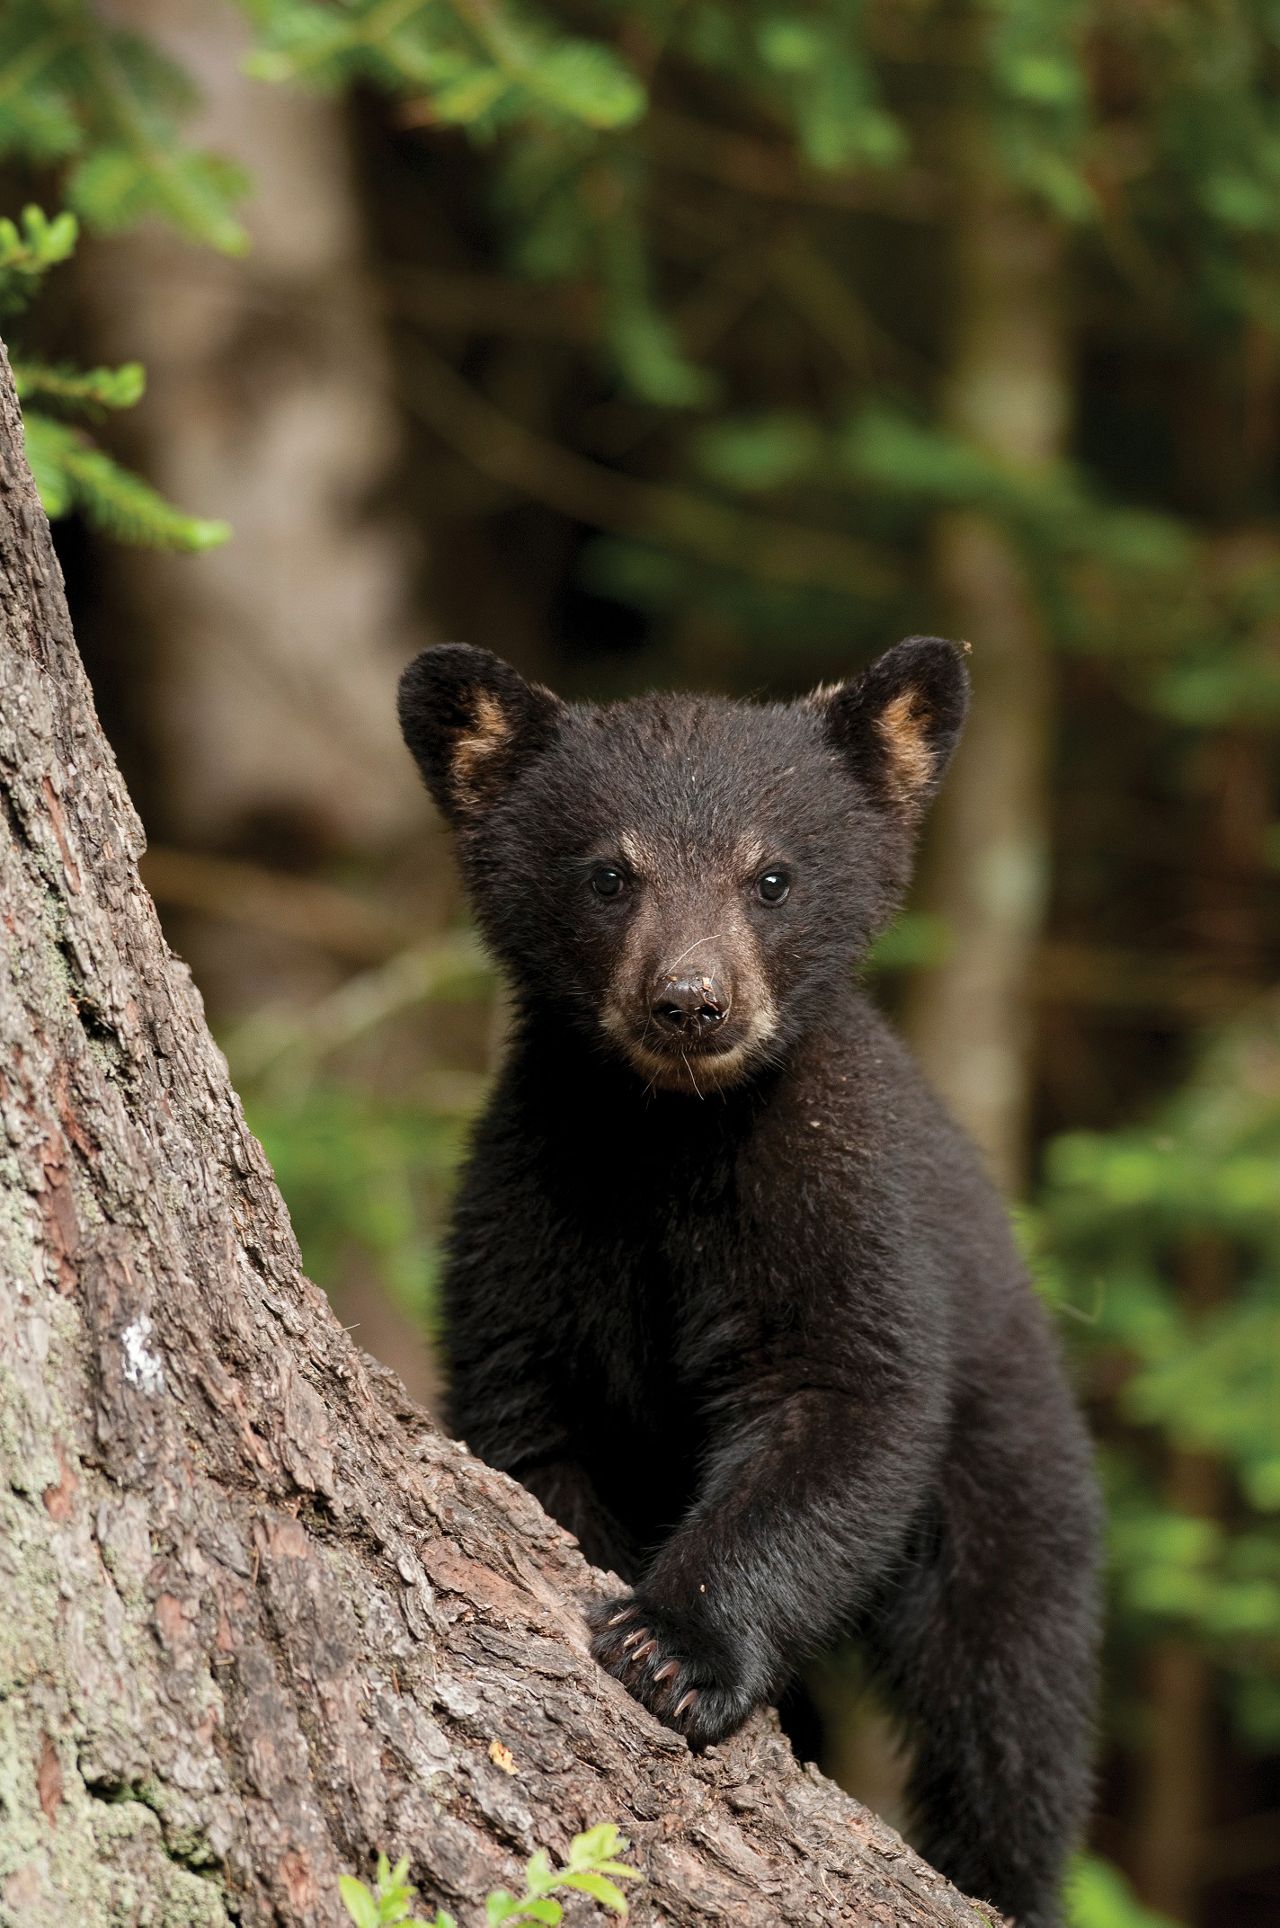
(601, 1890)
(791, 46)
(1099, 1897)
(358, 1901)
(590, 83)
(1048, 79)
(1262, 1482)
(599, 1843)
(651, 361)
(539, 1874)
(470, 96)
(1061, 183)
(1241, 202)
(760, 452)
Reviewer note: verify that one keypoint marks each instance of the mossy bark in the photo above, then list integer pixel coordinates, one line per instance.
(257, 1618)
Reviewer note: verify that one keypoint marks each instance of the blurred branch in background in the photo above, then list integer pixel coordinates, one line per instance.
(352, 927)
(763, 547)
(717, 344)
(286, 1047)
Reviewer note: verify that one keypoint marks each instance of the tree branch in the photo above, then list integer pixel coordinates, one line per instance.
(762, 546)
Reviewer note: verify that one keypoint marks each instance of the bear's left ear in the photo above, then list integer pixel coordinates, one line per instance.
(898, 722)
(472, 723)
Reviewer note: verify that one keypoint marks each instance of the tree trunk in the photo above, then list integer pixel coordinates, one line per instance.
(270, 403)
(1007, 391)
(259, 1618)
(255, 679)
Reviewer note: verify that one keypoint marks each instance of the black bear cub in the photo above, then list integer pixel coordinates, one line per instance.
(728, 1290)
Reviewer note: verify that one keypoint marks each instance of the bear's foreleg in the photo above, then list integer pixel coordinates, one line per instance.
(804, 1505)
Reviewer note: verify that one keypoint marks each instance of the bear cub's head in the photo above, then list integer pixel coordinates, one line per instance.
(686, 880)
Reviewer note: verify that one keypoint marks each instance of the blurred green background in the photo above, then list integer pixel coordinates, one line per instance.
(721, 344)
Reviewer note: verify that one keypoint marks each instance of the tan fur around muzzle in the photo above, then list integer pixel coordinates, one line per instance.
(656, 949)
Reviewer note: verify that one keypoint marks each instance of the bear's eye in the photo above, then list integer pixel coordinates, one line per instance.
(773, 886)
(606, 881)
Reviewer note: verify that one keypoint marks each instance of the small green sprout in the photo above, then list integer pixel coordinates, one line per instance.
(389, 1901)
(591, 1869)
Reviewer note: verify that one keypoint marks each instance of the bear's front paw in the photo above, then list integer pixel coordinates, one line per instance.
(682, 1678)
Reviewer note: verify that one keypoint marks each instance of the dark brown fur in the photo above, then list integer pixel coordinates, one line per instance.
(727, 1289)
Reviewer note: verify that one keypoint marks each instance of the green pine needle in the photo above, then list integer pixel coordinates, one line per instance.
(83, 388)
(29, 247)
(72, 473)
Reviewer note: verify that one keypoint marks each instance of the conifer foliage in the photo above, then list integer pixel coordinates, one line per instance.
(99, 110)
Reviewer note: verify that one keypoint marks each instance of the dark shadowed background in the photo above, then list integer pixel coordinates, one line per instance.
(719, 345)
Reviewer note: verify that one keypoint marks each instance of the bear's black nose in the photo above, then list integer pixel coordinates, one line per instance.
(689, 1005)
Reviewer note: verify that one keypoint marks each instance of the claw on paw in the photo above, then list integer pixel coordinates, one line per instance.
(678, 1674)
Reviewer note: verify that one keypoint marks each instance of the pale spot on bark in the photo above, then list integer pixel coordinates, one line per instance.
(142, 1367)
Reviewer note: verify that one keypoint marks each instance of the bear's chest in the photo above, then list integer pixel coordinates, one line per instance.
(670, 1310)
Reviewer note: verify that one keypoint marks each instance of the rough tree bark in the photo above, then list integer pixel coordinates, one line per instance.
(256, 1616)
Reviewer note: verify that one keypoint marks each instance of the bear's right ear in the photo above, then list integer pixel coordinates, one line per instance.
(472, 722)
